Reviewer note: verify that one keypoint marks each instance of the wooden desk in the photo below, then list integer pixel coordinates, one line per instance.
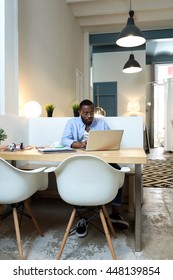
(135, 156)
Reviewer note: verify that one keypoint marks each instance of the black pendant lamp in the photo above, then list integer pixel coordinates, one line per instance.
(131, 66)
(130, 36)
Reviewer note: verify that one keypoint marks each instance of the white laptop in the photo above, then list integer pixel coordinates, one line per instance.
(103, 140)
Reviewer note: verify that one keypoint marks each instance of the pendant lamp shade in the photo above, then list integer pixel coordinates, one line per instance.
(130, 36)
(132, 66)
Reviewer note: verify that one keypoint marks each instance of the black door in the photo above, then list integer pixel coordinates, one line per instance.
(105, 95)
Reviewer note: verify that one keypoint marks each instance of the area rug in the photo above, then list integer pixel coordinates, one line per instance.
(158, 173)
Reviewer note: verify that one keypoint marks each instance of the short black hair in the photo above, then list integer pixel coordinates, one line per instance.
(85, 102)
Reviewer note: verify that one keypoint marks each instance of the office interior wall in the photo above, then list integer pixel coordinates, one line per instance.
(45, 131)
(130, 87)
(51, 46)
(16, 128)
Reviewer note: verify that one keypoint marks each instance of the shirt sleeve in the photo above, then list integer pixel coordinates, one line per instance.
(73, 131)
(100, 124)
(106, 126)
(68, 135)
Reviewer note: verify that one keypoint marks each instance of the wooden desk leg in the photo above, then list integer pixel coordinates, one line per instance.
(138, 204)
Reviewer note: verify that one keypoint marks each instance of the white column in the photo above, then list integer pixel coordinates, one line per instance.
(9, 57)
(168, 137)
(2, 57)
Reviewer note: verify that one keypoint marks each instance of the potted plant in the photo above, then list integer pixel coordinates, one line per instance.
(49, 109)
(76, 108)
(3, 135)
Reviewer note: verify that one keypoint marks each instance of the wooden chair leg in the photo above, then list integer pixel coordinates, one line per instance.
(102, 217)
(16, 225)
(28, 208)
(108, 220)
(69, 226)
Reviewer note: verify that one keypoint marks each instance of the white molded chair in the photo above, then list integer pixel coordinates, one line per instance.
(18, 186)
(86, 180)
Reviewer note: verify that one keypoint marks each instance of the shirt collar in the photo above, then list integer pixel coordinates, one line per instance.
(91, 125)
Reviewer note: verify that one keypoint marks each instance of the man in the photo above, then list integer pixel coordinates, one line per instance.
(75, 136)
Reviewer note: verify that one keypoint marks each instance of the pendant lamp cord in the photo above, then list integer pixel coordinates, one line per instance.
(131, 12)
(97, 96)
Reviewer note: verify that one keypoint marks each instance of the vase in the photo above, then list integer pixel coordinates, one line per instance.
(49, 114)
(76, 113)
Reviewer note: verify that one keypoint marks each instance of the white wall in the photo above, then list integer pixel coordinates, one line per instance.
(51, 46)
(45, 131)
(9, 57)
(2, 57)
(168, 117)
(130, 87)
(16, 128)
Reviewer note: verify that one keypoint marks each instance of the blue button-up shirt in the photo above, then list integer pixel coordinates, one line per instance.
(75, 128)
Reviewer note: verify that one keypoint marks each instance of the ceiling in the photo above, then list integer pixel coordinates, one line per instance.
(98, 16)
(107, 16)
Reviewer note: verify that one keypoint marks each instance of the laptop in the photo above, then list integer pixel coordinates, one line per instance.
(103, 140)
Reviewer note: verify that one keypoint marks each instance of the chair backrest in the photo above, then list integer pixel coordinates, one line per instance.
(17, 185)
(87, 180)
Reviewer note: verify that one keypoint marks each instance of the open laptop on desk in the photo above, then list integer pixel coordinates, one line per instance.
(103, 140)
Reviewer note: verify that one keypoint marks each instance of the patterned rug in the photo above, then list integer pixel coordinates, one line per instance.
(158, 173)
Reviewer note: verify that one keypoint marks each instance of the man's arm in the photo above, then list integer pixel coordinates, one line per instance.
(70, 137)
(67, 138)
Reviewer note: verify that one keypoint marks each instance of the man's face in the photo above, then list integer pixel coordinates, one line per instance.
(87, 114)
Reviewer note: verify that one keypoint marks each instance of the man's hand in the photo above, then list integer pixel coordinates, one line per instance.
(79, 145)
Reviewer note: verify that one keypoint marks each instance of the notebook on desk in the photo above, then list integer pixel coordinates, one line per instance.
(55, 150)
(103, 140)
